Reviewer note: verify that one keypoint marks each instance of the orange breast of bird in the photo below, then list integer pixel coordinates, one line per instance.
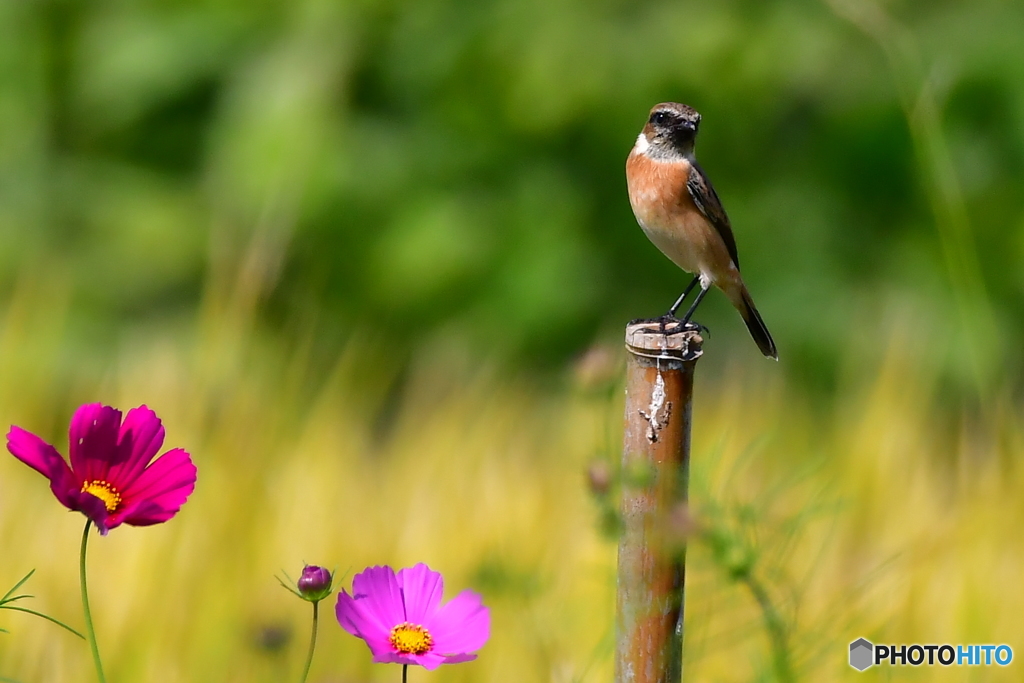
(666, 212)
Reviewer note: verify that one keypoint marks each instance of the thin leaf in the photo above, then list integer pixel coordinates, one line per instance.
(7, 601)
(287, 587)
(44, 616)
(17, 585)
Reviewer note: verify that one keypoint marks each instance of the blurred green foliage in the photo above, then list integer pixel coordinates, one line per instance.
(447, 167)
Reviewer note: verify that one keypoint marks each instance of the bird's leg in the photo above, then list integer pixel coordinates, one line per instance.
(671, 315)
(679, 302)
(693, 307)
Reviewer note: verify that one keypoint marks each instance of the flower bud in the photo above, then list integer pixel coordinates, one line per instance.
(315, 583)
(599, 477)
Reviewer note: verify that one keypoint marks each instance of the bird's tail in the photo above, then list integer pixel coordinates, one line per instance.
(758, 330)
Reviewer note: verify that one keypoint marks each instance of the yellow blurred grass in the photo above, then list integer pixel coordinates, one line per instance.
(887, 516)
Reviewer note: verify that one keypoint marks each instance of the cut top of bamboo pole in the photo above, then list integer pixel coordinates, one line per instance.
(674, 343)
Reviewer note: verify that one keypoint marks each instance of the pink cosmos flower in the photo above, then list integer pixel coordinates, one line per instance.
(402, 620)
(111, 479)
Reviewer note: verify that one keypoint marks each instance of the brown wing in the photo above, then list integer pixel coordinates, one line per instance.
(704, 196)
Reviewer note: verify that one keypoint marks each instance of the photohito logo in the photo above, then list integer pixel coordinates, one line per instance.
(864, 654)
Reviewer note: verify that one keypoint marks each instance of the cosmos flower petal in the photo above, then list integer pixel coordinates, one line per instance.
(358, 618)
(421, 590)
(138, 441)
(347, 614)
(168, 482)
(461, 626)
(392, 657)
(382, 651)
(93, 440)
(95, 509)
(143, 513)
(388, 657)
(428, 660)
(378, 586)
(44, 458)
(458, 659)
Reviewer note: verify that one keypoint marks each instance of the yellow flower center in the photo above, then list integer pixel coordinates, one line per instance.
(104, 491)
(410, 639)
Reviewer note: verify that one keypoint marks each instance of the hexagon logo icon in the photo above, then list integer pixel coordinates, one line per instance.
(860, 654)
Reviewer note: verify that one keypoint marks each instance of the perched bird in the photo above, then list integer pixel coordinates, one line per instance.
(679, 211)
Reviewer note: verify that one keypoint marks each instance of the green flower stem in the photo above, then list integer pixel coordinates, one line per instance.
(312, 641)
(405, 672)
(89, 630)
(776, 630)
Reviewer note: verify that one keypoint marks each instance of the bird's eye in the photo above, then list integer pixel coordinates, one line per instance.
(659, 118)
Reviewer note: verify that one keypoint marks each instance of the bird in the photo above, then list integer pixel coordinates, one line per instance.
(680, 212)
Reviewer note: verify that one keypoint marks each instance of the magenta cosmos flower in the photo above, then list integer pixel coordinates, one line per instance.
(111, 479)
(402, 620)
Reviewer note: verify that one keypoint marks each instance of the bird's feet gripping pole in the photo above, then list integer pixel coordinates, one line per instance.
(669, 324)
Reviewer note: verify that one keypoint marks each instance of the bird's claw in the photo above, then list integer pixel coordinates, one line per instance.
(668, 324)
(697, 327)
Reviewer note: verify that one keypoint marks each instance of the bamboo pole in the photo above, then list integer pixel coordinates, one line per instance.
(655, 466)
